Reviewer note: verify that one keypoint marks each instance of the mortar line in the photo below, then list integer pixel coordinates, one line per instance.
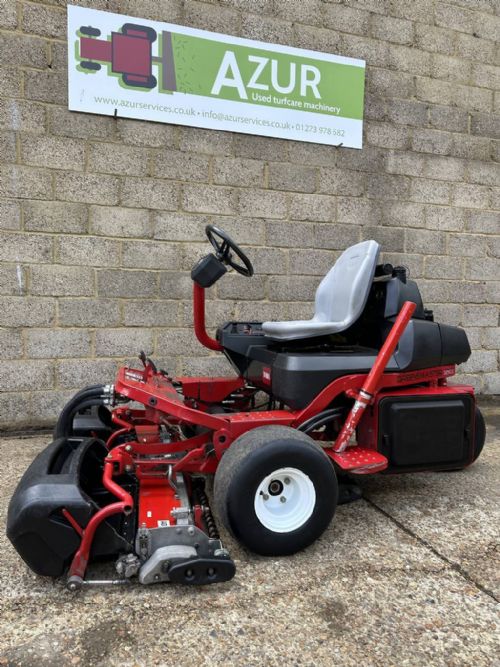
(454, 566)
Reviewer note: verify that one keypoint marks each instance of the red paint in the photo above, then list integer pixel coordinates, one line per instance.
(156, 502)
(199, 320)
(131, 55)
(95, 49)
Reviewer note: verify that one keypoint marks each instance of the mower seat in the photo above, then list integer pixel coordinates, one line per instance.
(340, 297)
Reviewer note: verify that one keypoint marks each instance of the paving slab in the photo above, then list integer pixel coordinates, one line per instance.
(406, 576)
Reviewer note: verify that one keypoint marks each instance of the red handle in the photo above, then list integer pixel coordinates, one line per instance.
(199, 320)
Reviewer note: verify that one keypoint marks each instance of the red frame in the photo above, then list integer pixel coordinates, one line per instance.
(173, 403)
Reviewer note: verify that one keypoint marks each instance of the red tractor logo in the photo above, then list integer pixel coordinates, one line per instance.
(128, 54)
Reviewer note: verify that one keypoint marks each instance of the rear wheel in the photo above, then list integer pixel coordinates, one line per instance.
(275, 490)
(479, 433)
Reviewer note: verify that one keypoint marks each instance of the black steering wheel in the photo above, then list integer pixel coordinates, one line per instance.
(223, 245)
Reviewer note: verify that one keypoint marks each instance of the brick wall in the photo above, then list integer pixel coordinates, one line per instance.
(102, 218)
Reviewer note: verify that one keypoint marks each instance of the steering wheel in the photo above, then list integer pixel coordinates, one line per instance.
(223, 245)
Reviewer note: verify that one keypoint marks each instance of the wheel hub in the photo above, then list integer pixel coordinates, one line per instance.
(285, 500)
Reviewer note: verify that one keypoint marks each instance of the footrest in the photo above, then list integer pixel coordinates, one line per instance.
(358, 460)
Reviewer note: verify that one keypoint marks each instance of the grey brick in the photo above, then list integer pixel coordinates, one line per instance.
(24, 375)
(238, 171)
(25, 182)
(292, 288)
(55, 216)
(471, 196)
(144, 313)
(150, 255)
(10, 214)
(304, 11)
(487, 173)
(481, 361)
(445, 218)
(448, 118)
(16, 247)
(425, 242)
(129, 284)
(207, 366)
(358, 211)
(312, 262)
(418, 10)
(245, 231)
(444, 168)
(457, 18)
(167, 10)
(375, 53)
(335, 181)
(208, 199)
(263, 203)
(312, 207)
(89, 312)
(268, 260)
(485, 269)
(445, 268)
(407, 112)
(46, 21)
(435, 91)
(450, 69)
(486, 125)
(267, 29)
(387, 135)
(346, 19)
(181, 166)
(474, 48)
(87, 188)
(491, 338)
(123, 342)
(487, 222)
(492, 383)
(430, 192)
(472, 292)
(390, 239)
(19, 311)
(84, 372)
(46, 86)
(138, 133)
(174, 285)
(267, 148)
(177, 342)
(467, 245)
(207, 17)
(487, 26)
(439, 291)
(256, 310)
(237, 287)
(391, 29)
(180, 226)
(287, 234)
(403, 214)
(85, 126)
(55, 280)
(409, 164)
(8, 14)
(53, 152)
(8, 146)
(22, 116)
(149, 193)
(486, 76)
(375, 107)
(292, 177)
(432, 141)
(335, 237)
(54, 343)
(472, 148)
(59, 55)
(323, 39)
(408, 59)
(110, 158)
(13, 280)
(11, 344)
(387, 186)
(122, 222)
(23, 51)
(430, 38)
(386, 83)
(88, 250)
(198, 140)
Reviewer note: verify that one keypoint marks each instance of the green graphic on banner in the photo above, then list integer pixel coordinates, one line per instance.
(244, 74)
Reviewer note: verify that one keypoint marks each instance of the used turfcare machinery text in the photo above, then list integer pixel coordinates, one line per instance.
(361, 388)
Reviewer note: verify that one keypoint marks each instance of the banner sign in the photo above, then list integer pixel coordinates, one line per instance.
(136, 68)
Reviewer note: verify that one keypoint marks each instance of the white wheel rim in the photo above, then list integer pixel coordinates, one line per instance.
(285, 500)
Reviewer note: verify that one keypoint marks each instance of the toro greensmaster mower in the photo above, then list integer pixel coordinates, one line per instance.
(361, 388)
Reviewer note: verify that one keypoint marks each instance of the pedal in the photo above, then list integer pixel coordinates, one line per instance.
(358, 460)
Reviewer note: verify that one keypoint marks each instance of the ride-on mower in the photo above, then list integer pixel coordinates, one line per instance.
(361, 388)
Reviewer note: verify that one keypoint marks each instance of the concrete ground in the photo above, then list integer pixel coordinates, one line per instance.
(407, 576)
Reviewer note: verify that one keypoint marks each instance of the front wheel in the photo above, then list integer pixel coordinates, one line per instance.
(275, 490)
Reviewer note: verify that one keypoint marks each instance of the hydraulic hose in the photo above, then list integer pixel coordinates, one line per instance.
(85, 398)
